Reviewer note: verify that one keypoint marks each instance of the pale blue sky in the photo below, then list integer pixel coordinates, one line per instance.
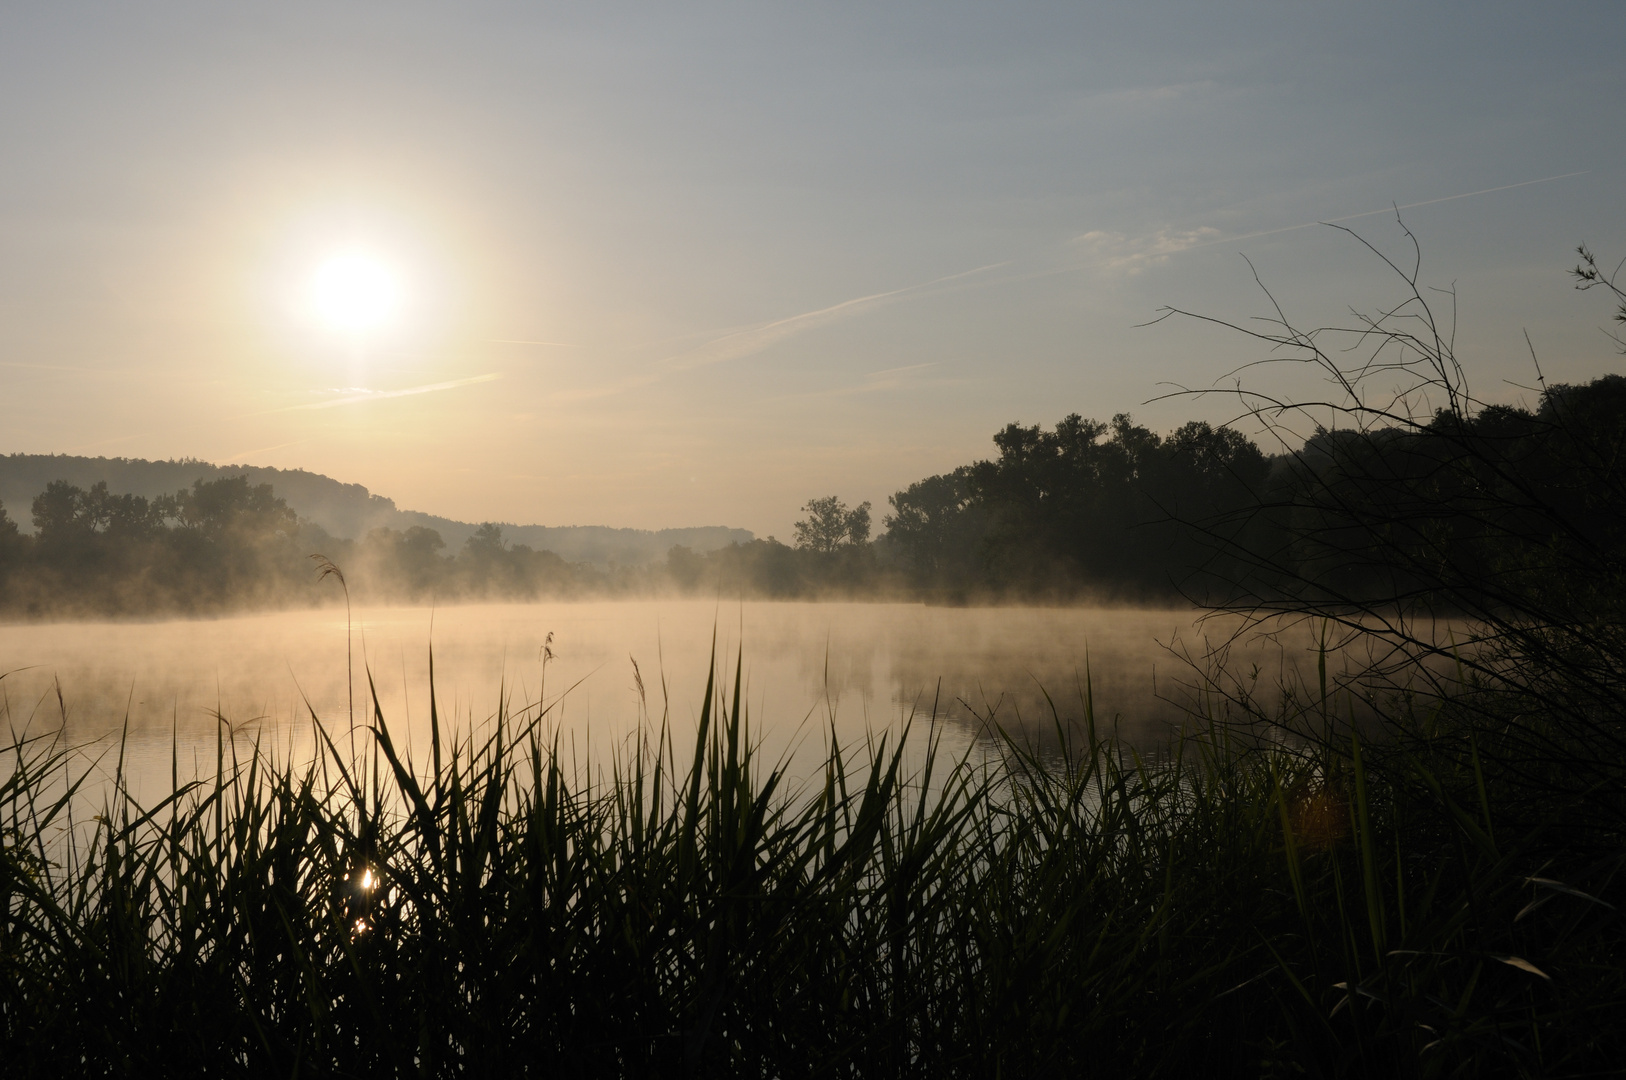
(784, 250)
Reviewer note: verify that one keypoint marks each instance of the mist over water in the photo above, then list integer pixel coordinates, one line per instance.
(861, 668)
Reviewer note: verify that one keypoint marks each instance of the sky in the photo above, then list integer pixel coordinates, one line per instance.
(696, 263)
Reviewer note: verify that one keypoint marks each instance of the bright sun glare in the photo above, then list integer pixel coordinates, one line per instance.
(355, 292)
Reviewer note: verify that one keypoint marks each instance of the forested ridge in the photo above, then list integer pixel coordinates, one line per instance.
(225, 544)
(340, 509)
(1085, 510)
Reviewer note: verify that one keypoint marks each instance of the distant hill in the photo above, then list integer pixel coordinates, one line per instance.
(344, 510)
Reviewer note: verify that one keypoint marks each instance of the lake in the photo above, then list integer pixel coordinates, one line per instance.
(809, 669)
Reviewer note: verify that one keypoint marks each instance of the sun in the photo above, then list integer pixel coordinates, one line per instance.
(355, 292)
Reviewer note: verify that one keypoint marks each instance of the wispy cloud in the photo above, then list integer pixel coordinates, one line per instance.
(911, 377)
(740, 343)
(1097, 250)
(737, 344)
(60, 367)
(354, 394)
(1133, 254)
(229, 458)
(602, 390)
(892, 378)
(1394, 209)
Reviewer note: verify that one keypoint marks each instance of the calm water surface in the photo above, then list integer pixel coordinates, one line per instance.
(809, 668)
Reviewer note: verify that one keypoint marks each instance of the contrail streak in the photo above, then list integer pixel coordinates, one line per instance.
(46, 367)
(1390, 209)
(353, 399)
(228, 459)
(379, 395)
(744, 342)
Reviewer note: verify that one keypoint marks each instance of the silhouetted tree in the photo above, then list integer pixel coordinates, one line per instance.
(1475, 551)
(830, 525)
(397, 563)
(420, 559)
(1102, 506)
(486, 540)
(1588, 276)
(12, 545)
(684, 566)
(230, 506)
(937, 529)
(58, 513)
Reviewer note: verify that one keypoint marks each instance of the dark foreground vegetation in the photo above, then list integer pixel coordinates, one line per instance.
(1408, 865)
(1324, 908)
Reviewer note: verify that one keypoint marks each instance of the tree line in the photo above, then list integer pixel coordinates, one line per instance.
(1087, 509)
(1481, 503)
(225, 544)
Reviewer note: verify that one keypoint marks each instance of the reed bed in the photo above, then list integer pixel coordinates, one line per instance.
(1277, 906)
